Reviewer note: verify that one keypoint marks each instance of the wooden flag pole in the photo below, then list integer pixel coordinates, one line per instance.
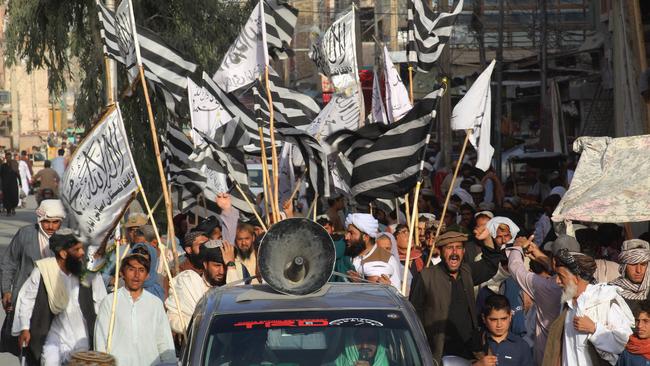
(250, 204)
(265, 177)
(111, 324)
(408, 210)
(416, 231)
(298, 184)
(161, 171)
(410, 242)
(315, 205)
(110, 98)
(163, 254)
(274, 152)
(451, 188)
(411, 83)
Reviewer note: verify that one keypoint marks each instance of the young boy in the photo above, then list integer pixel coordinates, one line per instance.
(637, 350)
(500, 345)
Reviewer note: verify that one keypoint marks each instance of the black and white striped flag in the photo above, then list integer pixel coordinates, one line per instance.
(164, 67)
(290, 106)
(428, 32)
(312, 152)
(386, 159)
(177, 148)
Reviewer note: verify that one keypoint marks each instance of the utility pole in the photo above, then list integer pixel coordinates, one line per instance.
(543, 116)
(498, 111)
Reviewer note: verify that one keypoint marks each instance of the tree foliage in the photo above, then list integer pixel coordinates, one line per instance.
(63, 37)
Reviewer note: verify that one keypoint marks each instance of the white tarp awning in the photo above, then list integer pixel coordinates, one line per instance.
(611, 182)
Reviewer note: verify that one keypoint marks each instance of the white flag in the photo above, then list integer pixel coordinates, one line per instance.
(397, 97)
(247, 56)
(126, 38)
(335, 53)
(101, 179)
(473, 112)
(378, 113)
(206, 113)
(342, 112)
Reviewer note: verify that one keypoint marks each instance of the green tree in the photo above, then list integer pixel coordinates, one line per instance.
(63, 37)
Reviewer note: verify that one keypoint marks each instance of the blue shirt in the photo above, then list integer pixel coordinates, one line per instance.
(628, 359)
(512, 351)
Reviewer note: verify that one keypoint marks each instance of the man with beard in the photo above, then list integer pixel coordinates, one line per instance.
(219, 268)
(595, 323)
(192, 243)
(443, 297)
(361, 247)
(246, 251)
(30, 244)
(138, 314)
(634, 258)
(56, 310)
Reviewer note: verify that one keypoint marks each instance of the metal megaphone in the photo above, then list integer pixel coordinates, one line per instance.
(296, 257)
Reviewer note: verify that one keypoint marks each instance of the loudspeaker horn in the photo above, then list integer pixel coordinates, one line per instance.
(296, 257)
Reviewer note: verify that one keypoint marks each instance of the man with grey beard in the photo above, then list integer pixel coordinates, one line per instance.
(595, 323)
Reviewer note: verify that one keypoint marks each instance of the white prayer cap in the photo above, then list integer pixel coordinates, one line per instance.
(476, 188)
(464, 196)
(50, 210)
(494, 223)
(486, 206)
(366, 223)
(484, 213)
(377, 268)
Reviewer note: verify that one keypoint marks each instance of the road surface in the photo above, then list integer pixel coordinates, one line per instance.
(8, 227)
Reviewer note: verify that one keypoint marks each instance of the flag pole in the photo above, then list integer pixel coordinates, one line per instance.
(411, 83)
(274, 153)
(250, 204)
(315, 206)
(163, 253)
(161, 171)
(111, 324)
(109, 82)
(410, 242)
(451, 188)
(265, 177)
(298, 183)
(407, 207)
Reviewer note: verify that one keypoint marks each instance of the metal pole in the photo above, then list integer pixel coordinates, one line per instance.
(499, 97)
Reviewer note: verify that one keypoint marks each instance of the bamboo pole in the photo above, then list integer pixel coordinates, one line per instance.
(250, 204)
(408, 210)
(451, 188)
(274, 152)
(161, 172)
(410, 242)
(265, 177)
(297, 187)
(411, 83)
(111, 324)
(110, 98)
(315, 205)
(163, 254)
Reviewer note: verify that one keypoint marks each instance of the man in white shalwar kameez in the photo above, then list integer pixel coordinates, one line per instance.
(141, 336)
(219, 268)
(55, 311)
(596, 320)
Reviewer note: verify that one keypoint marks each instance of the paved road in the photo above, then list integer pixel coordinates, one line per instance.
(8, 227)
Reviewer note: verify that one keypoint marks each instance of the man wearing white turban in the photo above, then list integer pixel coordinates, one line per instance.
(502, 230)
(361, 231)
(30, 244)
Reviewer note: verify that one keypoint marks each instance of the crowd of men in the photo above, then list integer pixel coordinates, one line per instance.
(486, 290)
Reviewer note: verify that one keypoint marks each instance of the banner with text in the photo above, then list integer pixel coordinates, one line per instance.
(101, 179)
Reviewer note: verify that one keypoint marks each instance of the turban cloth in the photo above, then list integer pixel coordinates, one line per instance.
(366, 223)
(50, 210)
(634, 251)
(494, 223)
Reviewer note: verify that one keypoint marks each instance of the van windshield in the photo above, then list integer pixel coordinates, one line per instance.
(311, 338)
